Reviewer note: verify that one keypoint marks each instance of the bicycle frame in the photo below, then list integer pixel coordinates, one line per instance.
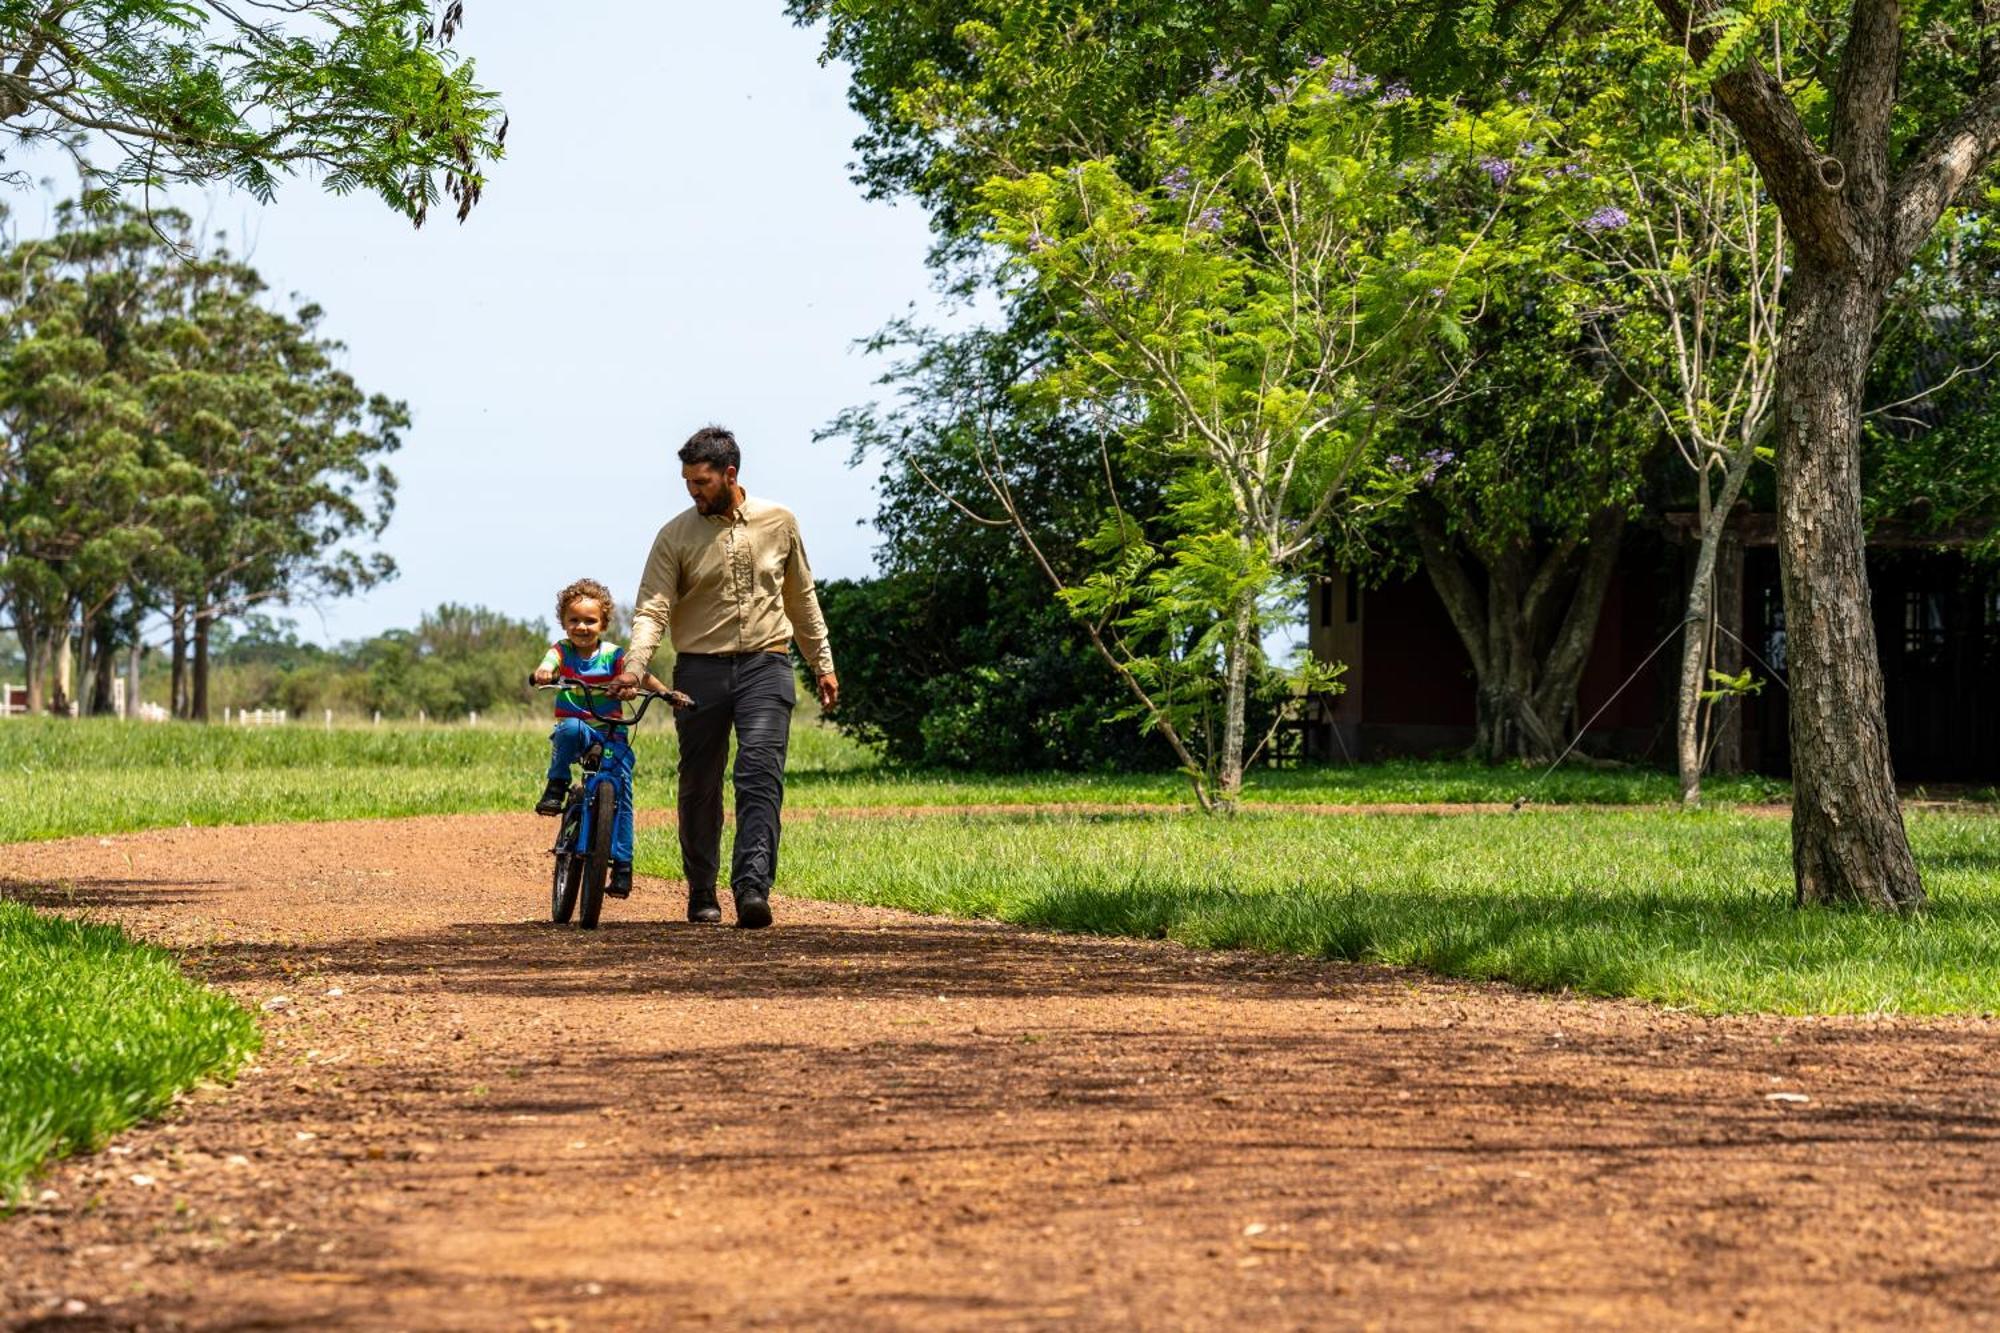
(576, 827)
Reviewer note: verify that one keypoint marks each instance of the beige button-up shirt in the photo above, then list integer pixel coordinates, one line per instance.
(738, 584)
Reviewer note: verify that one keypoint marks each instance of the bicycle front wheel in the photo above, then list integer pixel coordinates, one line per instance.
(567, 878)
(597, 862)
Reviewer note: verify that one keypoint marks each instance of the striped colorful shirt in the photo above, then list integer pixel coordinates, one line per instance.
(597, 669)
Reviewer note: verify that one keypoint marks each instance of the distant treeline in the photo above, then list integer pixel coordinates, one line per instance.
(458, 660)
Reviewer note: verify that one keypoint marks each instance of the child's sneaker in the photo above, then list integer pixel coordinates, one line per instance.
(621, 880)
(552, 797)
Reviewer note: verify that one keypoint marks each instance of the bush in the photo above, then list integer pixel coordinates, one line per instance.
(958, 672)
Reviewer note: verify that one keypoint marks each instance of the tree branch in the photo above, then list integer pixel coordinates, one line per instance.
(1805, 181)
(1935, 175)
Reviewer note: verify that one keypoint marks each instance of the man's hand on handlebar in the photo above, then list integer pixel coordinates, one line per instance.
(626, 684)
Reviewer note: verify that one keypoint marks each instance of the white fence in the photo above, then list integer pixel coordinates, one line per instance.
(14, 703)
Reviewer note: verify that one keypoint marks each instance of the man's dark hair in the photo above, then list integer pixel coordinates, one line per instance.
(714, 446)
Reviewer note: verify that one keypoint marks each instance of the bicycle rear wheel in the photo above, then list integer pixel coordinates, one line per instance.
(597, 863)
(567, 878)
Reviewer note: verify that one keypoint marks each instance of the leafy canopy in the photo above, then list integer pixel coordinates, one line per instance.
(369, 94)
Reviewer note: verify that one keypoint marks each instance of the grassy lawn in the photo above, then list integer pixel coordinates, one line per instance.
(61, 778)
(96, 1032)
(1689, 910)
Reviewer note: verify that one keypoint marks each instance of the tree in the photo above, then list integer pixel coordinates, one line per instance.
(1684, 292)
(279, 450)
(167, 440)
(1528, 480)
(369, 93)
(78, 467)
(1863, 150)
(959, 656)
(1251, 314)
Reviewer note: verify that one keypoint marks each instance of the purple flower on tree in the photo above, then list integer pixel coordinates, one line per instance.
(1314, 62)
(1348, 85)
(1125, 283)
(1394, 93)
(1396, 463)
(1435, 460)
(1210, 219)
(1498, 169)
(1177, 182)
(1608, 218)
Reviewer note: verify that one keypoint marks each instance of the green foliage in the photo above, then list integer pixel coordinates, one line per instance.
(1932, 443)
(169, 441)
(949, 668)
(97, 1032)
(1722, 685)
(1241, 305)
(366, 94)
(1688, 909)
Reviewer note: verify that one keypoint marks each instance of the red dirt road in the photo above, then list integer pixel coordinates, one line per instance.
(465, 1118)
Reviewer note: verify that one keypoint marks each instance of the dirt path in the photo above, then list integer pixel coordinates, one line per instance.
(467, 1119)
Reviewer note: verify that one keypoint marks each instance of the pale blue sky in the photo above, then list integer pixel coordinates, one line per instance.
(671, 240)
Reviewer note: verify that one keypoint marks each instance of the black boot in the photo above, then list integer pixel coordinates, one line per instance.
(753, 909)
(702, 907)
(621, 880)
(552, 797)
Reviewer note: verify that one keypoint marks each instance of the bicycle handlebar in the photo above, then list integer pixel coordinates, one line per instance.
(645, 697)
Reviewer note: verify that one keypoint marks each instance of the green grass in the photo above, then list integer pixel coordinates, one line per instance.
(101, 776)
(1688, 910)
(96, 1032)
(60, 778)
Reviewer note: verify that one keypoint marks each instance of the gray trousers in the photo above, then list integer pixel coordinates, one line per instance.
(754, 693)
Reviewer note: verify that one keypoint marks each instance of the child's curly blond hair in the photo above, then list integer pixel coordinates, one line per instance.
(592, 589)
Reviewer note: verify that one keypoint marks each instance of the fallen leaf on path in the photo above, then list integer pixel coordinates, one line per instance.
(1795, 1098)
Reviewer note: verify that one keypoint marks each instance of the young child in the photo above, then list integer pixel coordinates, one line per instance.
(583, 656)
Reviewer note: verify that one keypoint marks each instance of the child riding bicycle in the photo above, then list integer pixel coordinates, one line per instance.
(583, 662)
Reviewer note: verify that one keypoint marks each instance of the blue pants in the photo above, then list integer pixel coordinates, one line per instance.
(567, 743)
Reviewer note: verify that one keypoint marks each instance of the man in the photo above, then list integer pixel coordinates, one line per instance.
(730, 578)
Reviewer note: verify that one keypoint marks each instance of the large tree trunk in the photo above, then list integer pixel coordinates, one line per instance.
(198, 703)
(1848, 840)
(1858, 226)
(1528, 631)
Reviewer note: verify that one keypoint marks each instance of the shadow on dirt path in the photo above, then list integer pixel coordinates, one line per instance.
(466, 1118)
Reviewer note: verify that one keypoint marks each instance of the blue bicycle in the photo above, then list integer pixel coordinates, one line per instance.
(583, 829)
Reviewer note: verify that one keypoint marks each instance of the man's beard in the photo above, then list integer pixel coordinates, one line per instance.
(719, 506)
